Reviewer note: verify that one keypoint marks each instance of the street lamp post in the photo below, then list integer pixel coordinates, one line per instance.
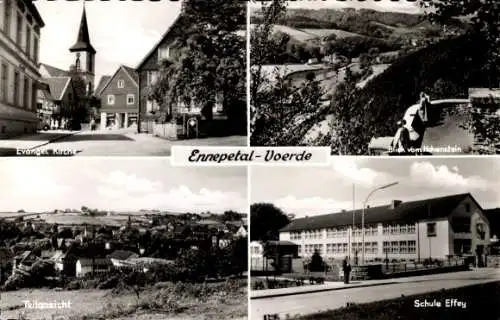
(363, 217)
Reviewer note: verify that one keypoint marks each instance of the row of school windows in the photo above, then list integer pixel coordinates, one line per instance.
(19, 26)
(389, 247)
(343, 233)
(22, 87)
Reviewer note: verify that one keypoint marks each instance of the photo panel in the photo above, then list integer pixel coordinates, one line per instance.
(74, 81)
(122, 239)
(372, 238)
(376, 77)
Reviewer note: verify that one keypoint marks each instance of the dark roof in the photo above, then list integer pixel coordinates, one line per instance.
(53, 71)
(88, 262)
(412, 211)
(279, 243)
(58, 86)
(102, 82)
(122, 254)
(83, 40)
(169, 30)
(132, 72)
(129, 71)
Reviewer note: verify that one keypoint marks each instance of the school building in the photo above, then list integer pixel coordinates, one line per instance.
(436, 228)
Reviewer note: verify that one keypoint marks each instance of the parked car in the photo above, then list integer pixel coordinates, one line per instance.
(43, 125)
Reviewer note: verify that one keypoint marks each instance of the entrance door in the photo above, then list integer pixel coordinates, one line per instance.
(479, 255)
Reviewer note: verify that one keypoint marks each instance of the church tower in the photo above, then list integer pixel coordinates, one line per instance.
(85, 54)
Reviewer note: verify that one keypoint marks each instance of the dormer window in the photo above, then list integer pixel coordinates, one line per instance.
(121, 84)
(164, 53)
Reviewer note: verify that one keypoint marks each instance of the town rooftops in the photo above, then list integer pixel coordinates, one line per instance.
(122, 255)
(58, 86)
(409, 212)
(102, 83)
(88, 262)
(54, 71)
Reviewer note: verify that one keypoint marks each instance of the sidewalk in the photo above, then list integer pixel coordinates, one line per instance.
(35, 140)
(330, 286)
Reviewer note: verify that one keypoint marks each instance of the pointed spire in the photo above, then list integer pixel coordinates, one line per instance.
(83, 40)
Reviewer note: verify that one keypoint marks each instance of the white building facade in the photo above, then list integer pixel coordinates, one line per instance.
(434, 228)
(20, 25)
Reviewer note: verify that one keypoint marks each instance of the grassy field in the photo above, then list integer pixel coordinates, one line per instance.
(482, 300)
(164, 301)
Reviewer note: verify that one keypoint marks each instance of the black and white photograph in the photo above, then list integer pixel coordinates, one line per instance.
(92, 238)
(121, 78)
(376, 77)
(371, 238)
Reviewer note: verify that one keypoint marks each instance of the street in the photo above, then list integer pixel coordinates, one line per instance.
(106, 143)
(310, 303)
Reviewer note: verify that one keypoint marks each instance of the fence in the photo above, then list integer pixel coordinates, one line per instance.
(389, 268)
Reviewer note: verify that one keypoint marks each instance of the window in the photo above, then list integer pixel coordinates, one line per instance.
(26, 92)
(7, 15)
(35, 49)
(121, 84)
(403, 247)
(152, 77)
(411, 229)
(344, 248)
(19, 31)
(461, 224)
(385, 229)
(16, 88)
(164, 53)
(375, 247)
(111, 99)
(467, 207)
(130, 99)
(394, 247)
(412, 246)
(431, 229)
(28, 40)
(4, 79)
(299, 251)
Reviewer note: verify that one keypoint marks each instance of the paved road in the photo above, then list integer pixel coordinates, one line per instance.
(108, 143)
(315, 302)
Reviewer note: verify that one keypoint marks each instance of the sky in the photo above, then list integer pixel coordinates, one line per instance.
(122, 32)
(45, 184)
(382, 5)
(310, 191)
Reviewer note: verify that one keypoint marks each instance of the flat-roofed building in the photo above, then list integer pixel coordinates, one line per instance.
(432, 228)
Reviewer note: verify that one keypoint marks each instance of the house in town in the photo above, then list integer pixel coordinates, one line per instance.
(163, 53)
(118, 257)
(23, 260)
(87, 266)
(48, 71)
(63, 95)
(242, 232)
(45, 106)
(20, 24)
(119, 99)
(437, 228)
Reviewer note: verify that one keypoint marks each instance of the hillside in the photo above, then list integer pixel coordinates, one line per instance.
(456, 62)
(361, 22)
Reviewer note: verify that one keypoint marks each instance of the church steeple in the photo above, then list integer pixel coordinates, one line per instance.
(83, 41)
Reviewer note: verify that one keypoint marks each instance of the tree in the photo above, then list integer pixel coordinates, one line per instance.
(485, 22)
(231, 216)
(266, 221)
(21, 211)
(317, 264)
(210, 61)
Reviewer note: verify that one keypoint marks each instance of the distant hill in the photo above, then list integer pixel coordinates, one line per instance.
(459, 62)
(362, 22)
